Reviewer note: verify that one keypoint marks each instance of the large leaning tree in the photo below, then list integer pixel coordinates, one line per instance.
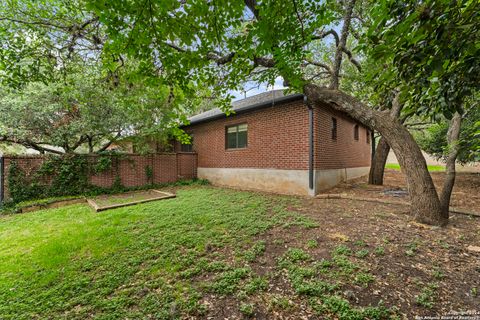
(430, 50)
(223, 43)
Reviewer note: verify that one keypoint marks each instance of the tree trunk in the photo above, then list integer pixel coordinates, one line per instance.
(90, 144)
(347, 18)
(454, 147)
(425, 203)
(377, 168)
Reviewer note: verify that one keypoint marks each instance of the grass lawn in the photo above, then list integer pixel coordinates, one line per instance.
(154, 260)
(217, 253)
(430, 167)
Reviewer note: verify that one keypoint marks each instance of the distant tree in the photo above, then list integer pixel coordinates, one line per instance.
(11, 148)
(433, 139)
(83, 114)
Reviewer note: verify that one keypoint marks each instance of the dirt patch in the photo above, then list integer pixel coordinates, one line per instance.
(414, 269)
(465, 193)
(405, 259)
(414, 256)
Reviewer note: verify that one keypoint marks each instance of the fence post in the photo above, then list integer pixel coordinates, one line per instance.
(2, 178)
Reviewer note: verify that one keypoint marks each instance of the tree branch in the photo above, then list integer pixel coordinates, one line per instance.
(173, 46)
(341, 46)
(352, 59)
(264, 62)
(322, 65)
(252, 5)
(41, 148)
(325, 34)
(109, 143)
(29, 144)
(79, 142)
(299, 18)
(220, 60)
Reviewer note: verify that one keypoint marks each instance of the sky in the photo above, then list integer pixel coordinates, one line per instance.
(251, 89)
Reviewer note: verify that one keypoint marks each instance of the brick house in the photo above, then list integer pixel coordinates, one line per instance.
(274, 142)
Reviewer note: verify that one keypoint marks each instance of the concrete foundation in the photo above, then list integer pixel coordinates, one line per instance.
(272, 180)
(326, 179)
(280, 181)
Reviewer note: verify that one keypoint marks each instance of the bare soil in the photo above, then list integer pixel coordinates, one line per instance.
(466, 193)
(415, 257)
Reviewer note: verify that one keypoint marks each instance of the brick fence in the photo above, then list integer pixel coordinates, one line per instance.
(131, 169)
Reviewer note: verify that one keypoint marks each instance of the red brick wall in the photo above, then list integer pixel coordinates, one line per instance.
(278, 139)
(187, 165)
(131, 169)
(345, 151)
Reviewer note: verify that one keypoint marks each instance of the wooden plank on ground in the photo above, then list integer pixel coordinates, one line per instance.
(164, 195)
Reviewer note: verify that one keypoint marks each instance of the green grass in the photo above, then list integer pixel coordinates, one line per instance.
(426, 298)
(10, 207)
(430, 167)
(46, 201)
(157, 260)
(127, 263)
(321, 283)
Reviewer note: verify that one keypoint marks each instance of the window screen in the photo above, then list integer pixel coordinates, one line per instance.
(236, 136)
(334, 129)
(355, 132)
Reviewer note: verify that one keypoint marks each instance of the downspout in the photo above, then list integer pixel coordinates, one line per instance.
(373, 146)
(310, 143)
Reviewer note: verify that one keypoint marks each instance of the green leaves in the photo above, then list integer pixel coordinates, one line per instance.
(433, 140)
(82, 114)
(433, 50)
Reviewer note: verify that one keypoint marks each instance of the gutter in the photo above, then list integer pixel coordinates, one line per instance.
(310, 143)
(256, 106)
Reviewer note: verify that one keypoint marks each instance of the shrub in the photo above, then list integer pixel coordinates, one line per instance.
(149, 174)
(20, 187)
(68, 175)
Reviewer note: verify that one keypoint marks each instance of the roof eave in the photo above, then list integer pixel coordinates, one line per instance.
(253, 107)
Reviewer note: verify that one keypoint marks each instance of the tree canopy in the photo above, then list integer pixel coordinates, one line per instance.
(84, 113)
(430, 49)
